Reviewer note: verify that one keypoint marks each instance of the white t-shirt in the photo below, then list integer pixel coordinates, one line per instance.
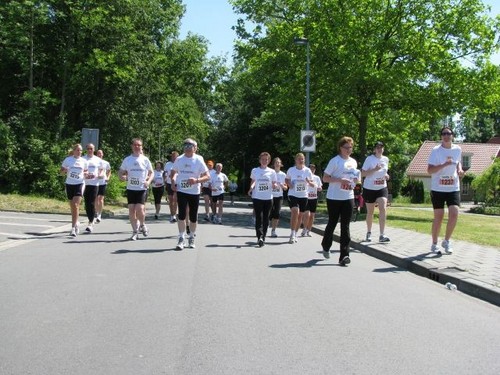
(278, 190)
(137, 168)
(264, 178)
(312, 191)
(158, 180)
(376, 181)
(446, 179)
(94, 168)
(217, 181)
(341, 168)
(187, 167)
(168, 169)
(233, 186)
(76, 168)
(106, 168)
(298, 178)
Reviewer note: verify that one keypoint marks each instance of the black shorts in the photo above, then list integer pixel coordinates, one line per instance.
(102, 190)
(168, 187)
(206, 191)
(371, 196)
(216, 198)
(74, 191)
(438, 198)
(158, 193)
(137, 196)
(312, 205)
(301, 203)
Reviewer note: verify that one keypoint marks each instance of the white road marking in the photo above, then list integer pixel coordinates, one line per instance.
(21, 241)
(26, 225)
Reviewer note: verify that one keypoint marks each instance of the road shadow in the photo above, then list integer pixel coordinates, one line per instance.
(142, 251)
(390, 270)
(309, 264)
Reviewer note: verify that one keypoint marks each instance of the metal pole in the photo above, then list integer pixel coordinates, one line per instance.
(307, 98)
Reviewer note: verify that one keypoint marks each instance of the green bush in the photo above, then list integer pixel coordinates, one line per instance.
(115, 189)
(415, 190)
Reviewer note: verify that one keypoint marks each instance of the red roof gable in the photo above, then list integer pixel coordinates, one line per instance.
(481, 157)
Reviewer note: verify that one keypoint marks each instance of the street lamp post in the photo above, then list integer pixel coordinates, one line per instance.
(305, 42)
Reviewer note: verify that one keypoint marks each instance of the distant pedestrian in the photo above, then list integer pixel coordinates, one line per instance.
(233, 188)
(188, 171)
(263, 180)
(342, 176)
(207, 193)
(312, 202)
(445, 168)
(278, 191)
(171, 194)
(92, 179)
(103, 183)
(218, 184)
(158, 186)
(298, 179)
(137, 170)
(75, 167)
(375, 191)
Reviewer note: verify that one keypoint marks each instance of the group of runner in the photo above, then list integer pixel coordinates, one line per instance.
(186, 176)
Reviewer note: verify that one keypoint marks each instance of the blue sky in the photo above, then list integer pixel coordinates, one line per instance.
(213, 19)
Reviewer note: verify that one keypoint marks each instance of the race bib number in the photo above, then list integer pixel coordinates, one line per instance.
(263, 187)
(344, 186)
(378, 181)
(300, 186)
(134, 181)
(74, 175)
(185, 184)
(312, 195)
(446, 180)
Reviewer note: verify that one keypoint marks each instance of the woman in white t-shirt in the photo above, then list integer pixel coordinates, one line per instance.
(264, 180)
(298, 178)
(445, 168)
(158, 186)
(375, 190)
(342, 176)
(75, 167)
(281, 187)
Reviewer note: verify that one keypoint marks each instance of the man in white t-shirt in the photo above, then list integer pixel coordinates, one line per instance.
(137, 170)
(92, 179)
(171, 195)
(218, 184)
(445, 168)
(188, 172)
(103, 182)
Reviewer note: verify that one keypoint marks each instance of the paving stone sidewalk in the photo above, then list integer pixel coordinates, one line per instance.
(474, 269)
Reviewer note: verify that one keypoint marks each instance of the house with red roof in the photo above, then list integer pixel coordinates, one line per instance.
(476, 158)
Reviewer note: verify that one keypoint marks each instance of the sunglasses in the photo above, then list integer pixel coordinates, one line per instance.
(446, 133)
(188, 145)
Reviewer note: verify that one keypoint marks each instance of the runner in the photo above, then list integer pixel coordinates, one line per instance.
(445, 168)
(171, 195)
(298, 179)
(75, 168)
(188, 171)
(264, 180)
(342, 176)
(158, 186)
(375, 190)
(233, 187)
(137, 170)
(94, 175)
(312, 202)
(277, 196)
(207, 193)
(103, 183)
(218, 183)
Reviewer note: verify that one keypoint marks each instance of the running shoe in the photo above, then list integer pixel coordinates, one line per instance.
(134, 236)
(89, 228)
(368, 237)
(260, 242)
(308, 234)
(273, 234)
(219, 220)
(446, 244)
(77, 228)
(191, 243)
(156, 216)
(73, 232)
(304, 233)
(97, 219)
(435, 249)
(345, 261)
(180, 244)
(295, 239)
(326, 254)
(145, 230)
(383, 238)
(291, 240)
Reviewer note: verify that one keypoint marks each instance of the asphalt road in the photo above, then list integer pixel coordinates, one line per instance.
(100, 304)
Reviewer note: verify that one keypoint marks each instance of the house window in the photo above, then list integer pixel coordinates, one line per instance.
(466, 160)
(465, 187)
